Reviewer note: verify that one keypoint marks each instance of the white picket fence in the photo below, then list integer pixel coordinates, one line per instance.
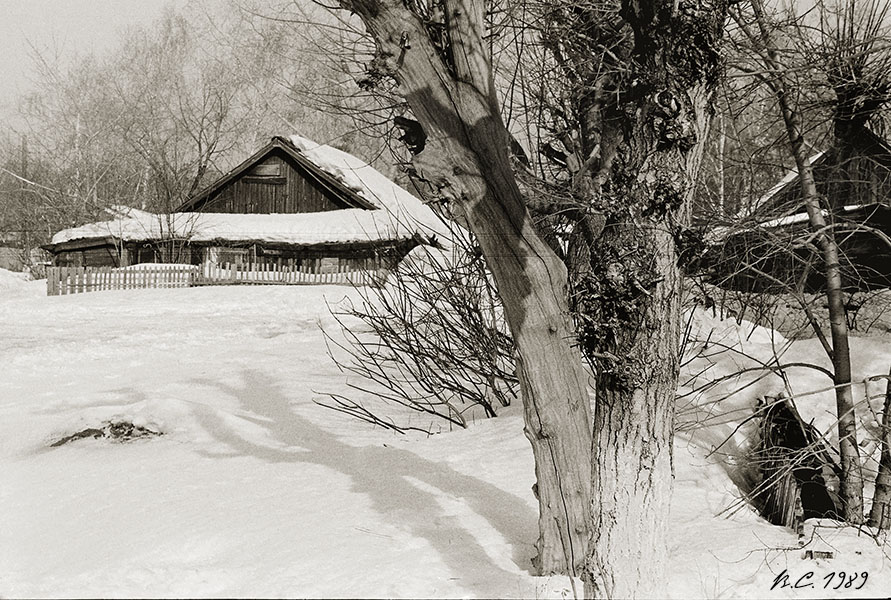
(75, 280)
(281, 274)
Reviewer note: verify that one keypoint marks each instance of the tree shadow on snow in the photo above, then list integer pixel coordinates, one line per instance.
(383, 474)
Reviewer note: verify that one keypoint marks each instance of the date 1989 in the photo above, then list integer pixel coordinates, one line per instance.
(834, 580)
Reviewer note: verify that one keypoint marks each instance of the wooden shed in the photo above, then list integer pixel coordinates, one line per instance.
(768, 245)
(294, 200)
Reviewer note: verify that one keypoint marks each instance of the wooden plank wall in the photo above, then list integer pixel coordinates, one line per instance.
(260, 191)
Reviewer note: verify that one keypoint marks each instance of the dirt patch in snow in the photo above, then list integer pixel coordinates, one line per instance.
(119, 431)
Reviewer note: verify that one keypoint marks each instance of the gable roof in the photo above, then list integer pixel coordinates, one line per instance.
(323, 177)
(866, 141)
(788, 180)
(395, 213)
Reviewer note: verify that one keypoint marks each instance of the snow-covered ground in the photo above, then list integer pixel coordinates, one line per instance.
(255, 490)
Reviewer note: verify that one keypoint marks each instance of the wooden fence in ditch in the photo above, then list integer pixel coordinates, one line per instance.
(75, 280)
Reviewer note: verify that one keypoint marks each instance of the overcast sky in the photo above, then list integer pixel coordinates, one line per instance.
(63, 26)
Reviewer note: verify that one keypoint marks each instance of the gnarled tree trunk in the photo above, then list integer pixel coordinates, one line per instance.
(632, 319)
(465, 155)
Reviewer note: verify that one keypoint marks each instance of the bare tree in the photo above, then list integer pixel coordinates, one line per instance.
(649, 123)
(431, 338)
(466, 155)
(852, 62)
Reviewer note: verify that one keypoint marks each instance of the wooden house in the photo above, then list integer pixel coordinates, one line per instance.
(768, 247)
(293, 200)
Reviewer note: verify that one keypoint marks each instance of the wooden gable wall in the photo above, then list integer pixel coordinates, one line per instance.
(862, 179)
(276, 184)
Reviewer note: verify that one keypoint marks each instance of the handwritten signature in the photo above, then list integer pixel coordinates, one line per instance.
(834, 580)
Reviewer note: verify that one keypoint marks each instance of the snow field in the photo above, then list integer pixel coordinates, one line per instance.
(255, 490)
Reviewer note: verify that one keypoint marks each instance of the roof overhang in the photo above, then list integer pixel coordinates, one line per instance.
(81, 243)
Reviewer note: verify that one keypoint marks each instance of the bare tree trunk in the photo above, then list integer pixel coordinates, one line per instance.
(466, 158)
(634, 426)
(636, 386)
(880, 513)
(637, 275)
(852, 477)
(722, 179)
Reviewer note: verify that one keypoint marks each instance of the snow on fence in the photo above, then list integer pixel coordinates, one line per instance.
(74, 280)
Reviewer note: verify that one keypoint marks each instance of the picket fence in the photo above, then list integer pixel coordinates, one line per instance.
(280, 274)
(75, 280)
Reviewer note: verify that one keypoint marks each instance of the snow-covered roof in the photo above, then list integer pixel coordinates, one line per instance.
(719, 234)
(341, 226)
(397, 214)
(790, 177)
(366, 181)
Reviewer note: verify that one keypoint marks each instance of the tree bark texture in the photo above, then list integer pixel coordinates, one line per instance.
(466, 158)
(630, 296)
(880, 513)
